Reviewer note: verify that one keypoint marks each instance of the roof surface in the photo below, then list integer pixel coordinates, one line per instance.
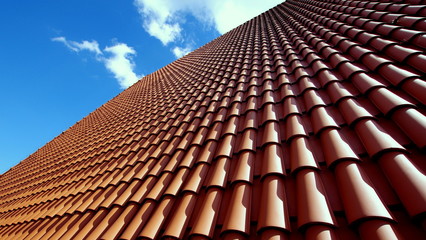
(306, 122)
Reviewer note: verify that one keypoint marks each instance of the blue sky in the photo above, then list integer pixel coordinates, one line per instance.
(60, 60)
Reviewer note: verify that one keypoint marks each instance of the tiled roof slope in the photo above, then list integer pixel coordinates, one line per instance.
(307, 122)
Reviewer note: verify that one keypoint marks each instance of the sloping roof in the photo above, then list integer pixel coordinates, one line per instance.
(306, 122)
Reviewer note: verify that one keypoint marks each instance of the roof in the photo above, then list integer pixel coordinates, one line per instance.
(307, 121)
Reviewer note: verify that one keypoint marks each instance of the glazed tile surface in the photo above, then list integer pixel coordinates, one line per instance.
(306, 122)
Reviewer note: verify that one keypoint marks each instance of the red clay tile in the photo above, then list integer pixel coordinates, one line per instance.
(248, 140)
(301, 154)
(176, 228)
(225, 148)
(415, 87)
(365, 83)
(139, 196)
(218, 177)
(138, 221)
(312, 204)
(244, 168)
(313, 99)
(177, 182)
(207, 153)
(321, 120)
(417, 61)
(378, 229)
(375, 139)
(352, 111)
(270, 133)
(290, 106)
(321, 232)
(412, 122)
(272, 162)
(306, 122)
(387, 101)
(338, 91)
(195, 181)
(206, 220)
(335, 147)
(359, 197)
(153, 226)
(294, 127)
(273, 203)
(396, 75)
(238, 217)
(407, 180)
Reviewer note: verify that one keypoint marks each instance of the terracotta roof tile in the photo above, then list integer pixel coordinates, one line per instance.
(335, 147)
(312, 206)
(307, 121)
(294, 127)
(273, 202)
(352, 181)
(248, 140)
(375, 138)
(301, 154)
(206, 220)
(238, 217)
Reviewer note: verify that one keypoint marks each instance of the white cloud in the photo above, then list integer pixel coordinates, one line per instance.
(121, 64)
(180, 52)
(158, 19)
(163, 18)
(165, 32)
(227, 14)
(91, 46)
(119, 60)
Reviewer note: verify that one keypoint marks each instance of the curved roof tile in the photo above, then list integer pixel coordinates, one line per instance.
(307, 121)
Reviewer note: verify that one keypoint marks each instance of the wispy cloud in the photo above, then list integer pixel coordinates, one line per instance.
(165, 32)
(118, 58)
(121, 64)
(227, 15)
(180, 52)
(158, 22)
(91, 46)
(163, 19)
(158, 19)
(223, 15)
